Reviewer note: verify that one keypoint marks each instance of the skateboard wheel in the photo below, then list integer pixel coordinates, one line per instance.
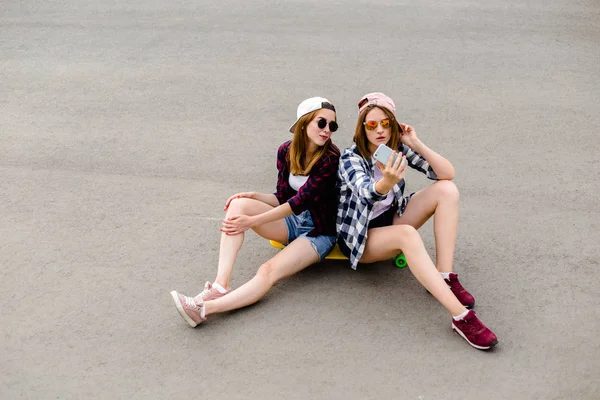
(401, 261)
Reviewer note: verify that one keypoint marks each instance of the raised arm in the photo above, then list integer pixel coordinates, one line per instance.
(422, 158)
(353, 172)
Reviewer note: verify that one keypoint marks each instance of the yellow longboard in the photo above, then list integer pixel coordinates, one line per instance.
(336, 253)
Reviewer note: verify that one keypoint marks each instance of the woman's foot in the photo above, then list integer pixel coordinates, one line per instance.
(190, 309)
(465, 298)
(474, 331)
(211, 292)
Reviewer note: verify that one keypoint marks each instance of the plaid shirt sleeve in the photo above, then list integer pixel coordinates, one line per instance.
(353, 171)
(357, 196)
(417, 162)
(284, 191)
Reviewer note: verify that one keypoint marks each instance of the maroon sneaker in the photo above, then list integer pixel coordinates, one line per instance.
(460, 292)
(475, 332)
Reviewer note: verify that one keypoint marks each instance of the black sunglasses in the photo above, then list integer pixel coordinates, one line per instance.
(322, 123)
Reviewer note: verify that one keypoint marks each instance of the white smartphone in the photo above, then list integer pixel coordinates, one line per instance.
(383, 153)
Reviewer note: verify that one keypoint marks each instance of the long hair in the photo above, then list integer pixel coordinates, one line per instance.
(360, 135)
(299, 165)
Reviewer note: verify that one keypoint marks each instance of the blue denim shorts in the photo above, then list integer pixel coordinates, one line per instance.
(300, 225)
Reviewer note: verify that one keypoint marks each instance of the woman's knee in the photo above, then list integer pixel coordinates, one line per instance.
(239, 206)
(268, 272)
(407, 236)
(447, 190)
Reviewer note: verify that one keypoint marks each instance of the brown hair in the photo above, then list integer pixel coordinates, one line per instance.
(299, 165)
(360, 136)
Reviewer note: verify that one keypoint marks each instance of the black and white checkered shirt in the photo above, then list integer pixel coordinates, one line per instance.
(358, 197)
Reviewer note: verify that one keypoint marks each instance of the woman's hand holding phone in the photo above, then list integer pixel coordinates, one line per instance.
(393, 172)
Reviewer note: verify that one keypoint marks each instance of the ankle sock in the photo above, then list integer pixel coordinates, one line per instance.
(220, 288)
(461, 316)
(445, 275)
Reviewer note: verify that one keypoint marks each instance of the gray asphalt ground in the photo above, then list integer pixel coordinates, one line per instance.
(125, 126)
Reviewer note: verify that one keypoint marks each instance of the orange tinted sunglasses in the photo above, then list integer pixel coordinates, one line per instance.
(372, 125)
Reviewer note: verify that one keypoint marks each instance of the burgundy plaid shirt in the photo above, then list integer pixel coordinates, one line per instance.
(318, 194)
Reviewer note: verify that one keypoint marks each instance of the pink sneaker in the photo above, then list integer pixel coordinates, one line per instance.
(475, 332)
(209, 293)
(189, 308)
(465, 298)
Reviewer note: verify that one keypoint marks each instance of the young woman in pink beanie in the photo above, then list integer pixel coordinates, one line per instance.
(376, 221)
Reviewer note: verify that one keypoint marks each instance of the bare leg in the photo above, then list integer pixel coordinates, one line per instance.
(384, 243)
(293, 258)
(231, 244)
(440, 200)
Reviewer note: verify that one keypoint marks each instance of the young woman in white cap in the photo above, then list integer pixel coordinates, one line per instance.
(301, 214)
(376, 221)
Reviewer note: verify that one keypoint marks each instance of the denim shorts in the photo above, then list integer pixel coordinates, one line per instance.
(300, 225)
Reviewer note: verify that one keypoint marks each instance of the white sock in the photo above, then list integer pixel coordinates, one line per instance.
(203, 312)
(461, 316)
(220, 288)
(445, 275)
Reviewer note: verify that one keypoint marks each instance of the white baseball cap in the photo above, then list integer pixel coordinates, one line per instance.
(310, 105)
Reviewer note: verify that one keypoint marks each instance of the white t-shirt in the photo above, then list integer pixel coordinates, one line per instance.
(384, 204)
(297, 181)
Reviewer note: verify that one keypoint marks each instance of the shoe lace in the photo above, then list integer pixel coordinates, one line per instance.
(206, 292)
(189, 301)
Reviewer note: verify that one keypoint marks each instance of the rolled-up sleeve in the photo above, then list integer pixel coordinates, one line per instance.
(417, 162)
